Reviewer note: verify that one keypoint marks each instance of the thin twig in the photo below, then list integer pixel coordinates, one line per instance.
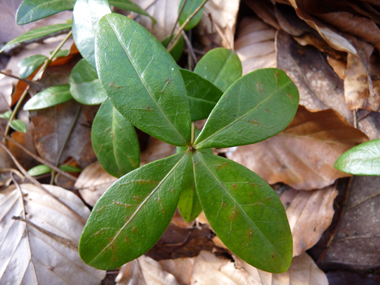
(190, 47)
(175, 24)
(39, 185)
(65, 142)
(212, 29)
(15, 171)
(176, 38)
(52, 166)
(15, 77)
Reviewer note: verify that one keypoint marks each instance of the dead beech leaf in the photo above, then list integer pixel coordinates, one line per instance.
(255, 45)
(221, 27)
(164, 11)
(42, 249)
(265, 11)
(303, 155)
(356, 245)
(181, 268)
(93, 182)
(309, 213)
(303, 270)
(144, 271)
(156, 149)
(52, 127)
(319, 86)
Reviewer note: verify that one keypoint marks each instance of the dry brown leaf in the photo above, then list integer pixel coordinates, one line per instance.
(303, 155)
(222, 28)
(255, 45)
(309, 213)
(356, 245)
(320, 88)
(144, 271)
(42, 250)
(156, 149)
(26, 140)
(164, 11)
(264, 9)
(93, 182)
(181, 268)
(52, 126)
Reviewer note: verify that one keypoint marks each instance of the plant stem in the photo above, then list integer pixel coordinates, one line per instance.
(176, 22)
(65, 142)
(176, 38)
(35, 78)
(192, 133)
(15, 77)
(190, 47)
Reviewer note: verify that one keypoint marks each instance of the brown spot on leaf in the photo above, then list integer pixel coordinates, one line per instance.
(259, 87)
(276, 76)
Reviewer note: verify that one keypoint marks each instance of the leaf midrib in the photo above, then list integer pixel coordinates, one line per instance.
(241, 117)
(142, 80)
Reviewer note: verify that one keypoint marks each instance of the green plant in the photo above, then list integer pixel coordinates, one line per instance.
(145, 88)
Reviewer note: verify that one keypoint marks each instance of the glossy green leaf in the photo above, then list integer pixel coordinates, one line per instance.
(86, 15)
(69, 168)
(30, 64)
(244, 212)
(189, 9)
(114, 141)
(33, 10)
(257, 106)
(203, 95)
(18, 125)
(36, 34)
(220, 66)
(133, 214)
(61, 53)
(130, 6)
(178, 48)
(6, 115)
(39, 170)
(363, 159)
(142, 80)
(49, 97)
(85, 86)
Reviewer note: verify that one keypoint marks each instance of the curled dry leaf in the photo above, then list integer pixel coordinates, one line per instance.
(320, 88)
(144, 271)
(93, 182)
(356, 244)
(219, 21)
(309, 213)
(164, 11)
(303, 155)
(255, 45)
(42, 249)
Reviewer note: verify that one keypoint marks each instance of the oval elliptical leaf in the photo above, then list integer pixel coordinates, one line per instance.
(33, 10)
(142, 80)
(86, 15)
(244, 212)
(114, 140)
(203, 95)
(190, 7)
(85, 86)
(257, 106)
(133, 214)
(363, 159)
(49, 97)
(30, 64)
(220, 66)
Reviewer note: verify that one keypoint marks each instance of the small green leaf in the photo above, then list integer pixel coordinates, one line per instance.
(33, 10)
(257, 106)
(221, 67)
(142, 80)
(49, 97)
(86, 16)
(203, 95)
(30, 64)
(130, 6)
(363, 159)
(39, 170)
(115, 142)
(85, 86)
(6, 115)
(244, 212)
(61, 53)
(189, 9)
(18, 125)
(69, 168)
(133, 213)
(178, 48)
(36, 34)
